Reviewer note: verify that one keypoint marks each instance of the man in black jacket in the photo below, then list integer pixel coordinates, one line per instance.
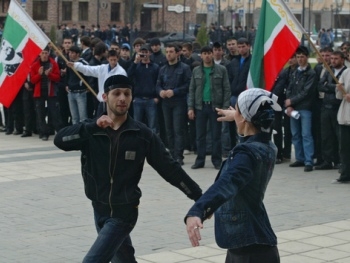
(238, 71)
(330, 104)
(300, 96)
(114, 148)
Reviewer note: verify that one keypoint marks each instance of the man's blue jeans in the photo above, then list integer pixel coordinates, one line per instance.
(78, 106)
(302, 137)
(146, 108)
(113, 243)
(175, 117)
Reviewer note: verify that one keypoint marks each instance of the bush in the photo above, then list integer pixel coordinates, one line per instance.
(52, 34)
(202, 36)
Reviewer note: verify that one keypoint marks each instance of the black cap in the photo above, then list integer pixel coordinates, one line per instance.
(154, 42)
(144, 47)
(117, 81)
(75, 49)
(303, 50)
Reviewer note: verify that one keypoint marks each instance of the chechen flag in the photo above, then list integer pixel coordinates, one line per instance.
(21, 44)
(277, 38)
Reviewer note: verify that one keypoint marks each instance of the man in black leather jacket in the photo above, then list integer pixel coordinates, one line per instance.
(114, 148)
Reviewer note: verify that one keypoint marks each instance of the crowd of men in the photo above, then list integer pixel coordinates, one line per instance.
(175, 93)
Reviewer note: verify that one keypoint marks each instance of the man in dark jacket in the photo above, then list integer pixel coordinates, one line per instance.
(144, 73)
(114, 148)
(300, 98)
(330, 104)
(238, 71)
(172, 86)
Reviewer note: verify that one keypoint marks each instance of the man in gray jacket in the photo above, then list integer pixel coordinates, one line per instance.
(209, 89)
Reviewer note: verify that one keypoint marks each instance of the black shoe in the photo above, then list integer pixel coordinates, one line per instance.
(197, 166)
(337, 166)
(341, 181)
(308, 168)
(324, 166)
(45, 138)
(9, 132)
(2, 129)
(319, 162)
(41, 136)
(26, 134)
(278, 161)
(217, 167)
(180, 161)
(17, 132)
(297, 164)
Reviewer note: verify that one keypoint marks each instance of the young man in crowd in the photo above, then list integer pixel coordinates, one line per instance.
(300, 96)
(209, 89)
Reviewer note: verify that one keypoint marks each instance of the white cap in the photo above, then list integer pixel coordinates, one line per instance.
(250, 100)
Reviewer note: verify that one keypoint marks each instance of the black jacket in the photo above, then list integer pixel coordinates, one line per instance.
(281, 84)
(328, 86)
(238, 75)
(136, 143)
(302, 88)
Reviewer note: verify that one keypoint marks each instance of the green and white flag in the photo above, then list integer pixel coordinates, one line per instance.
(21, 44)
(277, 38)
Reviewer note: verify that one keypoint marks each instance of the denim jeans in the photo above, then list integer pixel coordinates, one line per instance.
(302, 137)
(208, 114)
(78, 106)
(145, 110)
(175, 116)
(113, 243)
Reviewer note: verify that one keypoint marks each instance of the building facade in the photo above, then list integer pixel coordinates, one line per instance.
(146, 15)
(313, 14)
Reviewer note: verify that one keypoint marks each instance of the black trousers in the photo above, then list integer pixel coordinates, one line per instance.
(54, 111)
(253, 254)
(330, 135)
(344, 146)
(29, 111)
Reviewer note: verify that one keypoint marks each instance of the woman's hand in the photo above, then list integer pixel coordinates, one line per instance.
(227, 115)
(193, 224)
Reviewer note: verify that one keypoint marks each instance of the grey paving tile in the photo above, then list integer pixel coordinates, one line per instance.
(326, 254)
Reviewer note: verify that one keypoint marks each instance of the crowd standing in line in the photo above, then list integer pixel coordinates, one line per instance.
(180, 96)
(172, 89)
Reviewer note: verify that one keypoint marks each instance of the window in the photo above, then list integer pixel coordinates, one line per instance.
(40, 10)
(66, 10)
(204, 1)
(4, 5)
(115, 11)
(83, 11)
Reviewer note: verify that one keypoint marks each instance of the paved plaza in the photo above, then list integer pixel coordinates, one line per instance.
(45, 216)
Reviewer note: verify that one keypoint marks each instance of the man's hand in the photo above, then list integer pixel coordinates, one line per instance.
(193, 224)
(70, 64)
(105, 121)
(289, 111)
(48, 71)
(41, 70)
(137, 59)
(162, 94)
(287, 103)
(27, 86)
(347, 97)
(191, 114)
(169, 93)
(226, 115)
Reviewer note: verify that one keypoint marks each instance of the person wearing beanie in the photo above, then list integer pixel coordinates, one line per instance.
(242, 225)
(157, 56)
(114, 148)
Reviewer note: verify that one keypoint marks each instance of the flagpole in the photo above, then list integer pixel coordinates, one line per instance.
(324, 63)
(59, 52)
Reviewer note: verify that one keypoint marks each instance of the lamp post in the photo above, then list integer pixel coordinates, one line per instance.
(98, 13)
(184, 21)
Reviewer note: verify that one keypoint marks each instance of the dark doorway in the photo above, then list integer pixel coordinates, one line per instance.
(146, 19)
